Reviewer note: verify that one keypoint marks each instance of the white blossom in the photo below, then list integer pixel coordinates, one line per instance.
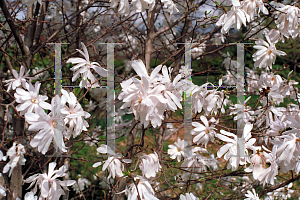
(30, 100)
(114, 163)
(188, 196)
(176, 150)
(50, 187)
(74, 116)
(266, 54)
(16, 155)
(251, 195)
(143, 189)
(150, 165)
(204, 133)
(19, 79)
(48, 127)
(236, 16)
(83, 67)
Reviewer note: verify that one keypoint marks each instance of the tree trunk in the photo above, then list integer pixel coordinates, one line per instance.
(16, 177)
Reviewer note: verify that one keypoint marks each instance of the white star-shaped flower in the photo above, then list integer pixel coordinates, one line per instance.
(19, 79)
(50, 186)
(16, 155)
(176, 150)
(30, 100)
(84, 66)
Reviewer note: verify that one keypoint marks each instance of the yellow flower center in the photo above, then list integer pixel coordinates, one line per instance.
(33, 100)
(269, 51)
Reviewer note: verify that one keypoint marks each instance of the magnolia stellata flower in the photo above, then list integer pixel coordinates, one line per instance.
(143, 189)
(188, 196)
(284, 192)
(204, 134)
(170, 93)
(81, 183)
(176, 150)
(266, 54)
(230, 149)
(113, 163)
(185, 71)
(287, 19)
(123, 9)
(270, 80)
(198, 49)
(19, 79)
(218, 38)
(74, 116)
(288, 148)
(142, 5)
(251, 195)
(48, 127)
(170, 5)
(29, 101)
(250, 7)
(144, 97)
(228, 63)
(236, 16)
(150, 165)
(16, 155)
(50, 186)
(268, 175)
(84, 66)
(230, 78)
(199, 163)
(257, 165)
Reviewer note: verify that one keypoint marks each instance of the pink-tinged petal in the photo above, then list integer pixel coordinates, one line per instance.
(51, 167)
(22, 92)
(22, 70)
(75, 76)
(31, 118)
(16, 84)
(23, 106)
(86, 53)
(15, 74)
(101, 71)
(97, 164)
(225, 139)
(76, 60)
(223, 150)
(34, 142)
(67, 183)
(204, 120)
(228, 133)
(45, 143)
(37, 87)
(175, 99)
(107, 162)
(81, 64)
(139, 68)
(198, 137)
(165, 73)
(38, 126)
(45, 188)
(45, 105)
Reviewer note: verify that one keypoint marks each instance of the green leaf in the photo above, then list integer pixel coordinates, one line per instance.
(126, 173)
